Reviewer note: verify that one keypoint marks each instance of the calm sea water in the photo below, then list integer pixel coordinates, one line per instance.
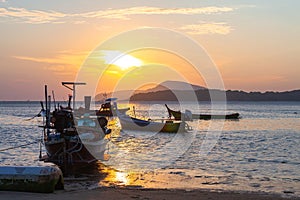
(259, 152)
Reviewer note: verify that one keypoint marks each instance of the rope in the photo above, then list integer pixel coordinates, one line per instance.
(15, 147)
(37, 115)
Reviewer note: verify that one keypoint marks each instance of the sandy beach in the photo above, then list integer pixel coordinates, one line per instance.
(111, 184)
(112, 193)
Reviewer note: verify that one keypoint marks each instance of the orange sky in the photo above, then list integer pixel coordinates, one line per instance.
(254, 45)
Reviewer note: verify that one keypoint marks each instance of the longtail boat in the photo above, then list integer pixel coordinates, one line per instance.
(106, 109)
(168, 126)
(159, 125)
(179, 115)
(61, 136)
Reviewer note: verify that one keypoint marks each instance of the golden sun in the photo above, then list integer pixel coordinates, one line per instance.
(123, 61)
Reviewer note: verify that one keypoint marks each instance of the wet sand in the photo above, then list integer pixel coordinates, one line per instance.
(109, 184)
(112, 193)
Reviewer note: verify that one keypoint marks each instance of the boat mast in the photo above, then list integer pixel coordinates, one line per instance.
(73, 88)
(47, 109)
(47, 104)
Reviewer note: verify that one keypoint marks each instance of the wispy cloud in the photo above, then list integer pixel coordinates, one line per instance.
(41, 60)
(126, 12)
(39, 16)
(207, 28)
(31, 16)
(62, 63)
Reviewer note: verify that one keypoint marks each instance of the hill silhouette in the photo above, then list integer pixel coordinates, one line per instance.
(164, 86)
(177, 90)
(174, 85)
(205, 95)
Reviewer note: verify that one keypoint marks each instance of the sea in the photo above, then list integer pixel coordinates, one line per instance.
(259, 152)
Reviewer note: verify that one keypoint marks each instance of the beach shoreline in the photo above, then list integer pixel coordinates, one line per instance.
(111, 193)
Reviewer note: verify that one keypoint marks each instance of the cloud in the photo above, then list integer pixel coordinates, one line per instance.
(124, 13)
(63, 62)
(207, 28)
(31, 16)
(41, 60)
(56, 65)
(39, 17)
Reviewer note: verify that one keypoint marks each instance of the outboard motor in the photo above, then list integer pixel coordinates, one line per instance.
(103, 124)
(188, 116)
(62, 119)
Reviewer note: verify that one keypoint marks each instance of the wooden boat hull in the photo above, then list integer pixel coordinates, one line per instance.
(179, 115)
(100, 113)
(68, 154)
(92, 133)
(169, 126)
(43, 179)
(62, 141)
(214, 116)
(97, 148)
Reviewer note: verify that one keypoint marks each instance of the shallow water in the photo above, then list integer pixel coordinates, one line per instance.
(259, 152)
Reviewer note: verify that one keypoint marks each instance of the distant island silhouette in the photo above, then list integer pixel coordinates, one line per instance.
(173, 90)
(204, 95)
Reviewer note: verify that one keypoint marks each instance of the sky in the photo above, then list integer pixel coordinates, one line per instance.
(254, 45)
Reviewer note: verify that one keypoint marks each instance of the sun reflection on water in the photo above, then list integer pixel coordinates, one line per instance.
(122, 178)
(115, 177)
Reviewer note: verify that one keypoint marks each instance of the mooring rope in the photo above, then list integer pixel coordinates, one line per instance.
(15, 147)
(41, 113)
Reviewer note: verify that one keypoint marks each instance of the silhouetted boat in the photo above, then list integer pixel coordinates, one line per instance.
(179, 115)
(167, 126)
(106, 109)
(62, 140)
(162, 125)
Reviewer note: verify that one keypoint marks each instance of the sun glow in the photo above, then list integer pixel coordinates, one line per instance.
(124, 61)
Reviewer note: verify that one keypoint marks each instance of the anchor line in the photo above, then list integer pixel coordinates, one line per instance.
(15, 147)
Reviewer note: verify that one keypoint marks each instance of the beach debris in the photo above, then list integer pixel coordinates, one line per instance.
(255, 185)
(288, 192)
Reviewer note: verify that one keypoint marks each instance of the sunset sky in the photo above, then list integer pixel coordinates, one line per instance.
(254, 44)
